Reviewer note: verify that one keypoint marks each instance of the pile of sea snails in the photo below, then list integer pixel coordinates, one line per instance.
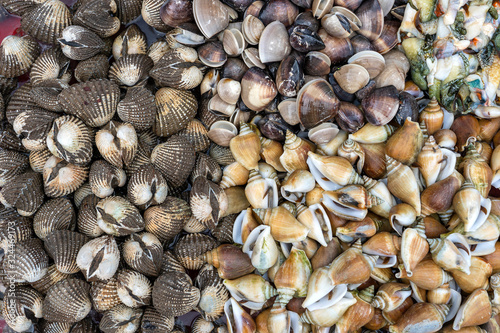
(260, 166)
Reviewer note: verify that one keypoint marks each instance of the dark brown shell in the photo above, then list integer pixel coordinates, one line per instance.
(157, 50)
(12, 163)
(174, 294)
(190, 247)
(289, 77)
(144, 253)
(381, 105)
(128, 10)
(350, 118)
(55, 214)
(142, 157)
(47, 21)
(97, 16)
(79, 43)
(213, 293)
(87, 217)
(84, 326)
(14, 228)
(388, 39)
(372, 19)
(94, 101)
(147, 187)
(207, 116)
(50, 66)
(337, 49)
(32, 261)
(208, 202)
(222, 155)
(105, 294)
(24, 192)
(17, 54)
(67, 301)
(119, 318)
(130, 41)
(33, 127)
(175, 159)
(49, 279)
(17, 7)
(316, 103)
(154, 322)
(224, 230)
(257, 89)
(21, 101)
(24, 307)
(61, 178)
(81, 193)
(174, 110)
(170, 263)
(206, 167)
(279, 10)
(131, 70)
(95, 67)
(47, 97)
(138, 108)
(165, 221)
(212, 54)
(9, 139)
(117, 216)
(63, 247)
(197, 134)
(99, 258)
(134, 289)
(104, 178)
(151, 14)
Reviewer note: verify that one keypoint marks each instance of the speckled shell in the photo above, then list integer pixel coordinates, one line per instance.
(197, 134)
(67, 301)
(174, 110)
(61, 178)
(94, 101)
(178, 68)
(131, 70)
(10, 140)
(47, 21)
(32, 261)
(55, 214)
(24, 192)
(70, 139)
(63, 247)
(154, 322)
(104, 178)
(95, 67)
(49, 279)
(143, 252)
(98, 259)
(50, 66)
(105, 294)
(190, 247)
(12, 163)
(48, 97)
(97, 16)
(24, 306)
(32, 126)
(174, 294)
(21, 101)
(134, 289)
(117, 216)
(117, 142)
(165, 221)
(121, 319)
(147, 187)
(17, 54)
(87, 217)
(138, 108)
(213, 293)
(175, 159)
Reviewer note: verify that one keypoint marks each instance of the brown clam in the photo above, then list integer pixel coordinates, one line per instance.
(63, 247)
(105, 177)
(24, 193)
(95, 67)
(121, 319)
(47, 21)
(381, 105)
(189, 249)
(167, 220)
(79, 43)
(17, 54)
(67, 301)
(98, 259)
(138, 108)
(61, 178)
(316, 103)
(144, 253)
(174, 109)
(104, 294)
(174, 294)
(257, 89)
(98, 16)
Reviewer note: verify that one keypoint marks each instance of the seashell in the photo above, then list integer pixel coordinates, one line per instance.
(207, 12)
(292, 276)
(382, 244)
(251, 289)
(388, 39)
(35, 261)
(284, 227)
(98, 259)
(147, 187)
(137, 108)
(343, 47)
(117, 216)
(414, 247)
(47, 97)
(337, 169)
(170, 263)
(295, 151)
(174, 294)
(468, 205)
(117, 143)
(167, 72)
(399, 174)
(63, 247)
(153, 321)
(70, 139)
(133, 288)
(50, 65)
(439, 196)
(21, 101)
(104, 178)
(213, 293)
(352, 77)
(24, 193)
(13, 164)
(464, 128)
(359, 314)
(238, 320)
(304, 39)
(104, 294)
(257, 89)
(157, 50)
(99, 17)
(21, 230)
(432, 115)
(451, 253)
(210, 81)
(261, 192)
(206, 167)
(87, 217)
(476, 310)
(190, 247)
(234, 175)
(143, 252)
(32, 126)
(434, 314)
(128, 10)
(218, 106)
(349, 117)
(25, 308)
(230, 261)
(330, 314)
(402, 215)
(131, 70)
(92, 101)
(321, 7)
(93, 68)
(245, 147)
(175, 108)
(224, 230)
(429, 161)
(408, 108)
(174, 13)
(426, 275)
(410, 136)
(379, 189)
(47, 21)
(283, 11)
(252, 29)
(61, 178)
(251, 58)
(212, 54)
(197, 134)
(481, 270)
(151, 13)
(371, 134)
(9, 139)
(67, 301)
(314, 108)
(208, 202)
(17, 54)
(229, 90)
(477, 170)
(289, 77)
(121, 319)
(381, 105)
(391, 295)
(19, 8)
(131, 41)
(79, 43)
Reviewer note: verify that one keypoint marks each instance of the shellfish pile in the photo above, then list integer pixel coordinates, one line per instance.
(266, 165)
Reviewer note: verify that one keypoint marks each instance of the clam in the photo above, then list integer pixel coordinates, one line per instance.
(32, 126)
(137, 108)
(151, 13)
(121, 319)
(340, 22)
(147, 187)
(316, 103)
(153, 321)
(372, 61)
(61, 178)
(213, 293)
(133, 288)
(35, 261)
(212, 54)
(87, 217)
(98, 16)
(24, 193)
(95, 67)
(50, 66)
(13, 163)
(317, 63)
(167, 220)
(284, 11)
(252, 29)
(67, 301)
(197, 134)
(105, 294)
(98, 259)
(144, 253)
(131, 70)
(352, 77)
(174, 295)
(63, 247)
(174, 13)
(117, 143)
(257, 89)
(191, 247)
(117, 216)
(206, 13)
(234, 42)
(371, 16)
(105, 177)
(342, 46)
(25, 307)
(304, 39)
(131, 41)
(273, 43)
(79, 43)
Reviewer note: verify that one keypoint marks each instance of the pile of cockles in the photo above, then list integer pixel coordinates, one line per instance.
(260, 166)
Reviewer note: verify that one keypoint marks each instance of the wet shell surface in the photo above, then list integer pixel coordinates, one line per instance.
(67, 301)
(174, 109)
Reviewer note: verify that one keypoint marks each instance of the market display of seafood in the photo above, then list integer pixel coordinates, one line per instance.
(250, 166)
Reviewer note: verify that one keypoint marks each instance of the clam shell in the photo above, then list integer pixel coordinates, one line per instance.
(63, 247)
(61, 178)
(131, 70)
(25, 306)
(211, 16)
(165, 221)
(233, 41)
(371, 17)
(11, 234)
(104, 294)
(174, 294)
(190, 247)
(94, 101)
(381, 105)
(174, 13)
(121, 319)
(105, 177)
(213, 293)
(50, 65)
(33, 126)
(337, 49)
(177, 154)
(32, 261)
(79, 43)
(81, 193)
(212, 54)
(222, 155)
(117, 216)
(157, 50)
(17, 7)
(142, 157)
(137, 108)
(134, 289)
(274, 43)
(12, 163)
(21, 101)
(257, 89)
(24, 192)
(206, 167)
(197, 134)
(283, 11)
(316, 103)
(208, 202)
(93, 68)
(144, 253)
(98, 259)
(153, 321)
(151, 14)
(49, 279)
(97, 16)
(70, 139)
(87, 217)
(174, 110)
(117, 142)
(131, 41)
(171, 264)
(147, 187)
(317, 63)
(10, 140)
(224, 230)
(54, 214)
(47, 21)
(128, 10)
(67, 301)
(47, 97)
(352, 77)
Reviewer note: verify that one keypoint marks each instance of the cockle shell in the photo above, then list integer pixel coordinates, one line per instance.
(25, 306)
(174, 110)
(213, 293)
(35, 261)
(121, 319)
(24, 192)
(104, 294)
(67, 301)
(79, 43)
(137, 108)
(47, 21)
(174, 294)
(61, 178)
(190, 247)
(63, 247)
(98, 259)
(143, 252)
(166, 220)
(104, 178)
(134, 289)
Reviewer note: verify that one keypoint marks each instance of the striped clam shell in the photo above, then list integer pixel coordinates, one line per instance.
(128, 10)
(158, 49)
(174, 294)
(151, 14)
(98, 259)
(47, 21)
(117, 216)
(165, 221)
(17, 7)
(117, 142)
(222, 155)
(130, 41)
(12, 163)
(17, 54)
(194, 226)
(67, 301)
(48, 97)
(138, 108)
(153, 321)
(14, 228)
(147, 187)
(206, 167)
(197, 134)
(121, 319)
(208, 202)
(63, 247)
(105, 294)
(9, 139)
(21, 101)
(190, 247)
(134, 288)
(33, 126)
(213, 293)
(83, 326)
(224, 230)
(174, 110)
(61, 178)
(49, 279)
(98, 16)
(70, 139)
(25, 306)
(92, 101)
(24, 192)
(50, 65)
(38, 159)
(31, 261)
(142, 158)
(175, 159)
(93, 68)
(55, 214)
(170, 263)
(104, 178)
(143, 252)
(87, 217)
(79, 43)
(131, 70)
